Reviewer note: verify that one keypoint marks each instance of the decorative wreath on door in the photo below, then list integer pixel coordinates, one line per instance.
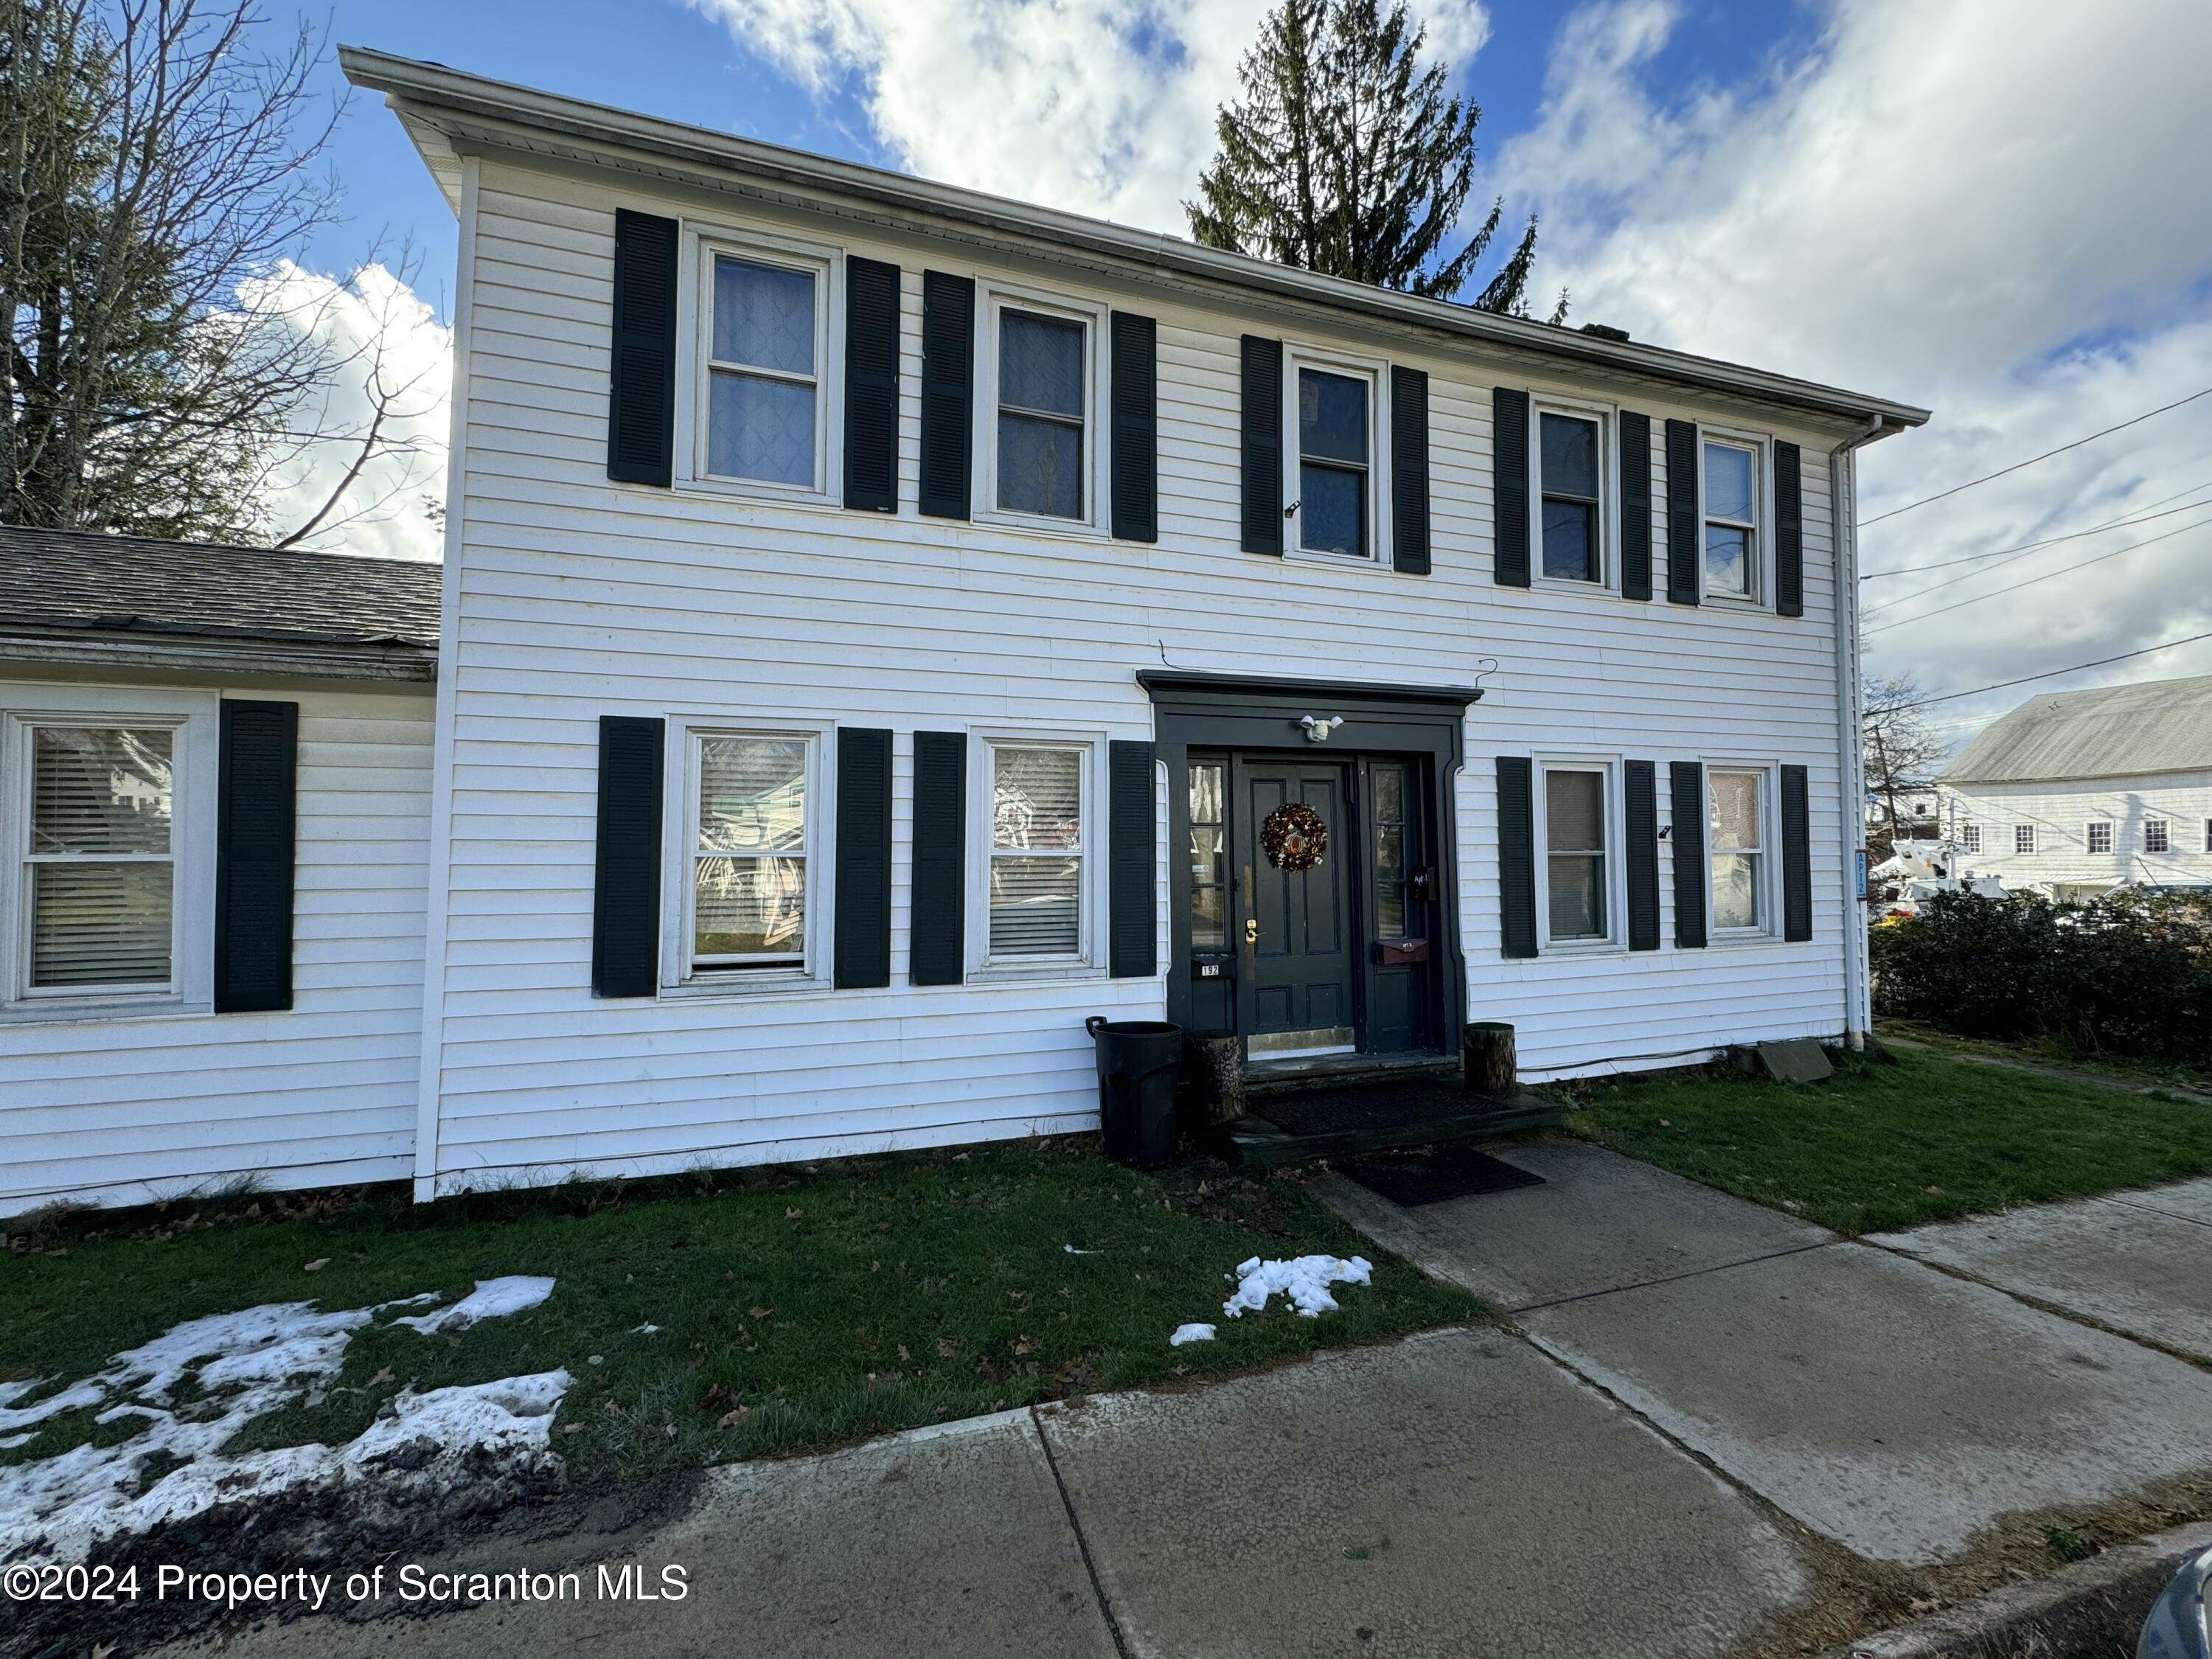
(1294, 837)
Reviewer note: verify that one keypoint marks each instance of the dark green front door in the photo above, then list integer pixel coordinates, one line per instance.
(1293, 927)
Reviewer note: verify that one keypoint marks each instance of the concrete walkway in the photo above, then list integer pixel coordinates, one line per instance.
(1696, 1385)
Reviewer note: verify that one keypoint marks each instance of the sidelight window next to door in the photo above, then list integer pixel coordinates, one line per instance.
(1209, 856)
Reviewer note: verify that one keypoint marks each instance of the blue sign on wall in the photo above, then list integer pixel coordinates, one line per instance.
(1862, 863)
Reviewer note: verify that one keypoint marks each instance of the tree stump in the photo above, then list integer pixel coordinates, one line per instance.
(1213, 1077)
(1488, 1060)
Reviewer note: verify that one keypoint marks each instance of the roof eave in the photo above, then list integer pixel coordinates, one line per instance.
(415, 89)
(187, 654)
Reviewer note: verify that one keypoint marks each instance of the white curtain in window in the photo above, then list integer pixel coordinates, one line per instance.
(1036, 860)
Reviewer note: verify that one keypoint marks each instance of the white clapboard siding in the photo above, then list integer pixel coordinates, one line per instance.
(123, 1110)
(2061, 813)
(580, 598)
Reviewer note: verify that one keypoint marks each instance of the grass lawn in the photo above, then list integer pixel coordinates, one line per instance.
(1882, 1147)
(2139, 1070)
(796, 1309)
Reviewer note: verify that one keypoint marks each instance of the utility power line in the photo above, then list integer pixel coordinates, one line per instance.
(2001, 472)
(2026, 679)
(2122, 523)
(2027, 581)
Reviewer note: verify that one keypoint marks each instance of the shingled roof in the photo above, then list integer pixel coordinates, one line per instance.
(2118, 732)
(57, 586)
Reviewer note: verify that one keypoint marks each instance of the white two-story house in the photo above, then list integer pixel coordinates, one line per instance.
(884, 624)
(2076, 793)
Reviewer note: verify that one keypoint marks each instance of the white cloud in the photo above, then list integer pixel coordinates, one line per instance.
(376, 331)
(1997, 210)
(1100, 107)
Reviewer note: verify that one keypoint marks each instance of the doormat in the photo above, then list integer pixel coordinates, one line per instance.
(1435, 1174)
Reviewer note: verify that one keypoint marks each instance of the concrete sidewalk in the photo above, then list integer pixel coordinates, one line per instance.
(1697, 1387)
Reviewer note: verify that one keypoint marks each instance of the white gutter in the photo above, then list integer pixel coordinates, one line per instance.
(1850, 743)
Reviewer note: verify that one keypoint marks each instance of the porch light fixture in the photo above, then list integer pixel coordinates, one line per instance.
(1317, 731)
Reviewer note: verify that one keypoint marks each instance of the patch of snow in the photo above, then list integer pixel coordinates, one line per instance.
(9, 1442)
(643, 1330)
(493, 1298)
(1072, 1250)
(1192, 1332)
(417, 1301)
(246, 1365)
(1304, 1280)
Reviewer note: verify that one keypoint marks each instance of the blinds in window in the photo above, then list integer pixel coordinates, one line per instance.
(1037, 863)
(100, 879)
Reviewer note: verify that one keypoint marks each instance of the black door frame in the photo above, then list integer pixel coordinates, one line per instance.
(1204, 711)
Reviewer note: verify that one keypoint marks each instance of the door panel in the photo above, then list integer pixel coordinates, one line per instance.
(1298, 959)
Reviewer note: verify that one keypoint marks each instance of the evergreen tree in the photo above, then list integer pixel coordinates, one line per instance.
(1346, 155)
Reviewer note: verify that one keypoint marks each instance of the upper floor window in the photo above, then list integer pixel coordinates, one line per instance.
(2023, 838)
(1041, 407)
(764, 400)
(1575, 854)
(2101, 837)
(1570, 449)
(1333, 437)
(1739, 850)
(1970, 838)
(2156, 836)
(750, 865)
(98, 861)
(1731, 514)
(1036, 908)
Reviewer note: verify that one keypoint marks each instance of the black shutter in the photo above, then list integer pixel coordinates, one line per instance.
(1682, 532)
(1517, 855)
(1131, 878)
(863, 930)
(1797, 856)
(1789, 532)
(948, 377)
(1687, 834)
(1409, 470)
(1263, 444)
(1641, 792)
(642, 410)
(1509, 491)
(1135, 461)
(872, 384)
(937, 948)
(1635, 506)
(256, 788)
(626, 887)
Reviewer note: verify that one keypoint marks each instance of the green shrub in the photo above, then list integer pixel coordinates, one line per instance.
(2130, 972)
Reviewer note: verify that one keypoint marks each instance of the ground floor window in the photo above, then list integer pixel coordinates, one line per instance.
(2023, 838)
(97, 870)
(1575, 853)
(1037, 813)
(751, 863)
(2101, 837)
(1738, 850)
(2157, 837)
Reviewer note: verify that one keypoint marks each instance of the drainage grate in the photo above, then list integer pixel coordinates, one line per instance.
(1437, 1173)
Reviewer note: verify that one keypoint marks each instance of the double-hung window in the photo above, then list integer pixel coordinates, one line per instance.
(765, 419)
(1576, 876)
(1739, 851)
(1035, 904)
(2023, 838)
(1335, 433)
(2101, 837)
(1571, 451)
(97, 860)
(1970, 838)
(1731, 519)
(1044, 402)
(2157, 835)
(751, 808)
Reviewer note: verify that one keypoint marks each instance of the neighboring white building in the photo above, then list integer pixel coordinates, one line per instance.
(2077, 792)
(884, 624)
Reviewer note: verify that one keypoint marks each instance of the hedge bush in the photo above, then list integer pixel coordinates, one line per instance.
(2130, 972)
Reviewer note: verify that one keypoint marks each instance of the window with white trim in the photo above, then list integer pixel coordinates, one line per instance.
(2101, 837)
(1335, 505)
(1034, 909)
(97, 872)
(2157, 835)
(1570, 470)
(1738, 850)
(1970, 838)
(1043, 407)
(1576, 872)
(1731, 519)
(2023, 838)
(764, 400)
(751, 808)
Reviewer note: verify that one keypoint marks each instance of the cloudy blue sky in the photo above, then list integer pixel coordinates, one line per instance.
(1996, 208)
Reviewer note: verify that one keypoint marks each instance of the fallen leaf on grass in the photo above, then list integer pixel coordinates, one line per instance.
(903, 1354)
(946, 1347)
(317, 1265)
(759, 1312)
(383, 1375)
(1026, 1344)
(716, 1396)
(792, 1215)
(729, 1419)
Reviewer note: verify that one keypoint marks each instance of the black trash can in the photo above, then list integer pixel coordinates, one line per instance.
(1140, 1063)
